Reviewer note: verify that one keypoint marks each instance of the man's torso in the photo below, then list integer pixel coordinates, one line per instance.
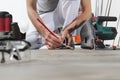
(44, 6)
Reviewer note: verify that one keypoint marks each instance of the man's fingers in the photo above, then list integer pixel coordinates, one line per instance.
(69, 41)
(50, 45)
(52, 42)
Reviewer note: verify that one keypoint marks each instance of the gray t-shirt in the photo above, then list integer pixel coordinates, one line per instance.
(44, 6)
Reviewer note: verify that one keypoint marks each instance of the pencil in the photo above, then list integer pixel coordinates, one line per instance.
(47, 28)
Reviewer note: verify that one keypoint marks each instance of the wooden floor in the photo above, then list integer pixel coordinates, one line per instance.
(78, 64)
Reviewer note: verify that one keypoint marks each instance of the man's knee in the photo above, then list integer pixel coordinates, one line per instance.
(31, 38)
(35, 41)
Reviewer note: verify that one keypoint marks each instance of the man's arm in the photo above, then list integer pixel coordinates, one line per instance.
(33, 15)
(51, 41)
(83, 16)
(86, 13)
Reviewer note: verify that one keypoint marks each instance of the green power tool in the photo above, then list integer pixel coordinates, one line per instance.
(94, 32)
(105, 32)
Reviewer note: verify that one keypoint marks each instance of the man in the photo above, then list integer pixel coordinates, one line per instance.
(54, 14)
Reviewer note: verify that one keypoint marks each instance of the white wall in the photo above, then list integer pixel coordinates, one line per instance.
(18, 9)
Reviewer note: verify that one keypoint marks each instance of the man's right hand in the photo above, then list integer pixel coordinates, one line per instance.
(51, 41)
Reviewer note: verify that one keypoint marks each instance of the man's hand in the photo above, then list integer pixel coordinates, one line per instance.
(66, 35)
(52, 42)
